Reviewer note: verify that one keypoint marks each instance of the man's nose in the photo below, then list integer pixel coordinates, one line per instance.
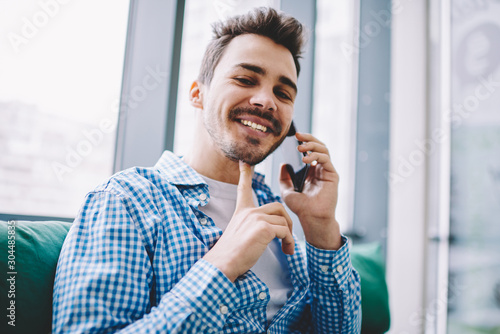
(264, 98)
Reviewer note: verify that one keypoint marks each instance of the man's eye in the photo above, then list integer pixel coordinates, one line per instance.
(244, 81)
(283, 95)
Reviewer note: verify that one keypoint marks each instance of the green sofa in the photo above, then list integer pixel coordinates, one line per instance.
(28, 281)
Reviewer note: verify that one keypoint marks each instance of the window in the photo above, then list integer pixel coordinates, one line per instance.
(474, 259)
(463, 270)
(61, 74)
(335, 92)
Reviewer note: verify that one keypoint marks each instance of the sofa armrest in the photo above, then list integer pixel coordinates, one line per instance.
(368, 261)
(35, 252)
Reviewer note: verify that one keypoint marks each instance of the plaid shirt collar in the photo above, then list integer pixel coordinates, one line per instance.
(178, 173)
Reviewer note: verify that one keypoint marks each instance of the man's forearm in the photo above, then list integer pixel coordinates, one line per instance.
(200, 302)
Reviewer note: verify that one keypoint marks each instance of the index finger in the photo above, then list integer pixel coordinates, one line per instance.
(244, 197)
(307, 137)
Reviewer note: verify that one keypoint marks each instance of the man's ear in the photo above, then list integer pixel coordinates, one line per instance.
(196, 95)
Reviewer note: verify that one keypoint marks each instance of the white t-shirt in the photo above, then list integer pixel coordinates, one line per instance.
(271, 267)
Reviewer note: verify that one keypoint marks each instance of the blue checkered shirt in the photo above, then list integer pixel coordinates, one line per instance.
(132, 262)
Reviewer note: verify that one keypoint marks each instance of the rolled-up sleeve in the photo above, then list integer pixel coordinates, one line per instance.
(335, 290)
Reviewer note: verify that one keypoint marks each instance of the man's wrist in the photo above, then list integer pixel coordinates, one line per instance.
(208, 293)
(323, 235)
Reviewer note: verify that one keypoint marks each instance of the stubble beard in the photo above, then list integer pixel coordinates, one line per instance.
(248, 151)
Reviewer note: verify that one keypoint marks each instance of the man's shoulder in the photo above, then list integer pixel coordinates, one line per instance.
(162, 178)
(132, 182)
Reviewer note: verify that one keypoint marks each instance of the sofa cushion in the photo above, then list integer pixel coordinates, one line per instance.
(368, 260)
(37, 247)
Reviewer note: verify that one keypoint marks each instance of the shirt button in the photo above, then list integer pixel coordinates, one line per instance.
(340, 269)
(324, 269)
(262, 295)
(202, 197)
(224, 309)
(203, 221)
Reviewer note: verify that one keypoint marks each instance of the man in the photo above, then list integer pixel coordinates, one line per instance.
(199, 244)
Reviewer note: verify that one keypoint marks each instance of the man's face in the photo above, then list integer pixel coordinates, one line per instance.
(248, 106)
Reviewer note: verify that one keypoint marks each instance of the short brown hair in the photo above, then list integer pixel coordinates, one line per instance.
(281, 28)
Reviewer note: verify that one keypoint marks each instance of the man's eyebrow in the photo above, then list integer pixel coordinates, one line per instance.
(286, 81)
(253, 68)
(259, 70)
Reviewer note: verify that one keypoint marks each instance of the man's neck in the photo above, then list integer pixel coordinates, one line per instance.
(208, 160)
(213, 166)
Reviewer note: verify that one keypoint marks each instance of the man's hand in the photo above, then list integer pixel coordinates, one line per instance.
(315, 205)
(250, 230)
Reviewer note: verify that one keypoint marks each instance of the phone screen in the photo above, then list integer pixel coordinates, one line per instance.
(289, 154)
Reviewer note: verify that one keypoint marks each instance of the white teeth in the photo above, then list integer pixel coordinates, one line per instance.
(254, 126)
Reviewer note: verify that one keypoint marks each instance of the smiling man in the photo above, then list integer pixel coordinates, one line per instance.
(249, 104)
(199, 244)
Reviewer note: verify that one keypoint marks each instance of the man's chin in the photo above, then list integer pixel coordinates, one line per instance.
(250, 153)
(251, 158)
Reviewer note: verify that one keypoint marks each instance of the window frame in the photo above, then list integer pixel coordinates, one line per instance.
(149, 89)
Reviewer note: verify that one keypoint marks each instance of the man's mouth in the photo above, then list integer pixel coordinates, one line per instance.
(255, 126)
(257, 120)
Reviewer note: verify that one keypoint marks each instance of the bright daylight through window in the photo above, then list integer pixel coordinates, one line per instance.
(60, 79)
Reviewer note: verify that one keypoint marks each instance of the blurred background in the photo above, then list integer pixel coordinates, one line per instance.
(406, 95)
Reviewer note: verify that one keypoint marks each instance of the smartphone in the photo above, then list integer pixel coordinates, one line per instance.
(296, 168)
